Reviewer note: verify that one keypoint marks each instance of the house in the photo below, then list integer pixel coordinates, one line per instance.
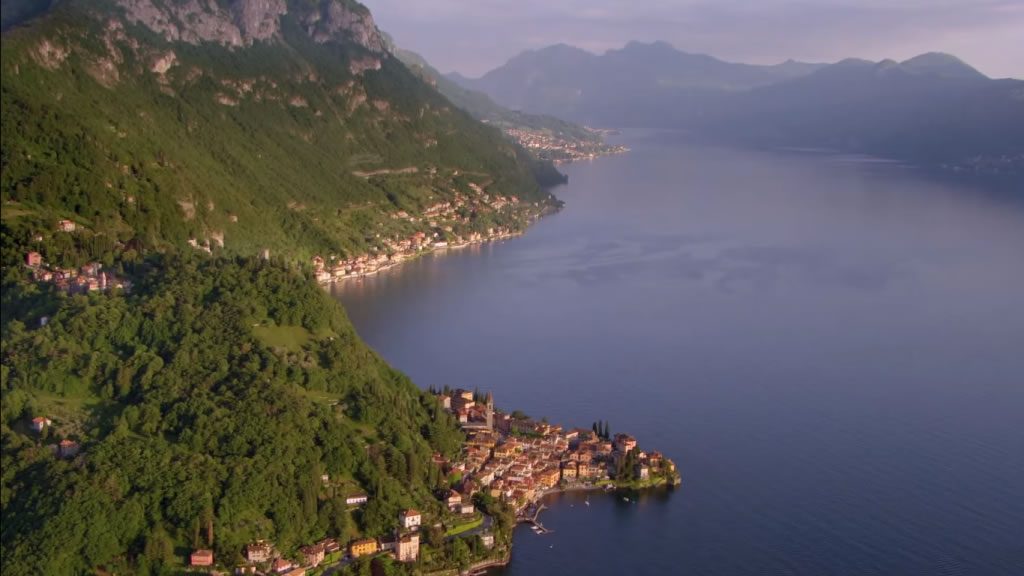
(446, 401)
(68, 448)
(33, 259)
(201, 558)
(300, 571)
(282, 566)
(66, 226)
(312, 555)
(505, 450)
(643, 472)
(362, 547)
(356, 499)
(568, 471)
(408, 548)
(466, 509)
(454, 500)
(258, 551)
(487, 539)
(330, 545)
(548, 477)
(624, 443)
(410, 519)
(40, 422)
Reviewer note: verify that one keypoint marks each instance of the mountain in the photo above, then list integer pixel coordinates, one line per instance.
(574, 84)
(483, 107)
(560, 139)
(933, 109)
(942, 65)
(236, 126)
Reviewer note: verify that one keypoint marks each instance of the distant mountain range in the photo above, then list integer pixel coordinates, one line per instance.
(932, 109)
(563, 140)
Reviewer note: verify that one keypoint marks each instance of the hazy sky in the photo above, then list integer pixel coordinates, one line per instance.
(473, 36)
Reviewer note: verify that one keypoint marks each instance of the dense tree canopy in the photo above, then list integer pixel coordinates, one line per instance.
(191, 425)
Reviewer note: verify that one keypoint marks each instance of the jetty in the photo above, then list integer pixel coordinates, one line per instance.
(532, 517)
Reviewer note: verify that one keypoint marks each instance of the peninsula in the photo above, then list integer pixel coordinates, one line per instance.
(519, 460)
(506, 465)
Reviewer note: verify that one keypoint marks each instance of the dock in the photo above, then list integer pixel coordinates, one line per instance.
(534, 520)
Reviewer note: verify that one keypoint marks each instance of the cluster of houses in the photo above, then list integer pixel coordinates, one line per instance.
(519, 460)
(447, 227)
(65, 449)
(261, 557)
(88, 278)
(551, 146)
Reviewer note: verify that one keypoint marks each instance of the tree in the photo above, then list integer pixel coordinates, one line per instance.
(460, 553)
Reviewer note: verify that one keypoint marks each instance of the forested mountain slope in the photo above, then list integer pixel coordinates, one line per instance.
(239, 125)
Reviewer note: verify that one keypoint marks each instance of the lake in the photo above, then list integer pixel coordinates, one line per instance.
(830, 348)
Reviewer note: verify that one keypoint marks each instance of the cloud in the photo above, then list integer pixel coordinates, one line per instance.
(476, 35)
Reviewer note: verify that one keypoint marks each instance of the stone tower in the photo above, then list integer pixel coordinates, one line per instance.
(489, 411)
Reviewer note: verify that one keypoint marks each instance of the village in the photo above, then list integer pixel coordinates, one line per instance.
(560, 149)
(520, 460)
(512, 459)
(507, 457)
(88, 278)
(443, 225)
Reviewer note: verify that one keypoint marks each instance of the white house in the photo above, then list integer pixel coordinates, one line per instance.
(356, 499)
(410, 519)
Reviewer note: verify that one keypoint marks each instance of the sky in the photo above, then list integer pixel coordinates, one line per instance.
(474, 36)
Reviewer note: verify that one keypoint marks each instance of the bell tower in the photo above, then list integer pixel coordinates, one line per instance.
(489, 411)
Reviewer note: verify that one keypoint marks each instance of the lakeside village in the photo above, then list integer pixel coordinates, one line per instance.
(442, 226)
(519, 460)
(548, 145)
(449, 225)
(508, 458)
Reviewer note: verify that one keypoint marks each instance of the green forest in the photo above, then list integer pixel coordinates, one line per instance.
(188, 419)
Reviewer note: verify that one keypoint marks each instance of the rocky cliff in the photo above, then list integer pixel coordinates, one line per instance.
(243, 22)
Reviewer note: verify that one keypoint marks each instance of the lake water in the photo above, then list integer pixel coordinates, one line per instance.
(831, 349)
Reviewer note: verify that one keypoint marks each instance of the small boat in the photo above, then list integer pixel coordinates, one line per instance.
(587, 502)
(624, 499)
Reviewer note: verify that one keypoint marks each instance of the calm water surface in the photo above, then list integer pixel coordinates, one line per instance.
(831, 349)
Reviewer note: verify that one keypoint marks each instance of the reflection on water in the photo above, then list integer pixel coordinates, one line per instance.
(829, 349)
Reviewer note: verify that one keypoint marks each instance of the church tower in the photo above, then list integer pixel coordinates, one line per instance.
(489, 411)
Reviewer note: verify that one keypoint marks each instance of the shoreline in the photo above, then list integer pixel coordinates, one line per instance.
(422, 253)
(484, 566)
(436, 250)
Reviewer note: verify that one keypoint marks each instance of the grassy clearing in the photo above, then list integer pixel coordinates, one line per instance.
(466, 527)
(291, 338)
(70, 414)
(320, 396)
